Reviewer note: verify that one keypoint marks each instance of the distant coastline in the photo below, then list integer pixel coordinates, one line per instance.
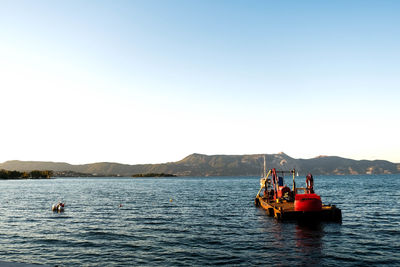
(153, 175)
(36, 174)
(211, 165)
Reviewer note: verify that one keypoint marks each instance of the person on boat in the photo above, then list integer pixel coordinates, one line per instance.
(310, 183)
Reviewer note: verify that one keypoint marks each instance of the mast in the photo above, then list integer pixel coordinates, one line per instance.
(294, 181)
(265, 168)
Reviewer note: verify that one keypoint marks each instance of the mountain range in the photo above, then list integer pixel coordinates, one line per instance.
(217, 165)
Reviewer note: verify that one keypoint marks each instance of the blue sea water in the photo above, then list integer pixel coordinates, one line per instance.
(194, 221)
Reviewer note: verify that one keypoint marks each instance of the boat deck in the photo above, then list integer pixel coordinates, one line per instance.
(285, 211)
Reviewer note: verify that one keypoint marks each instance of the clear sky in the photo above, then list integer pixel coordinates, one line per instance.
(154, 81)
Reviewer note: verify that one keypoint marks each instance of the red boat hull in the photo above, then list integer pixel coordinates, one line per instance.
(307, 202)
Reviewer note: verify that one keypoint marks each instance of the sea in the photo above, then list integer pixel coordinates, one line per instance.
(194, 221)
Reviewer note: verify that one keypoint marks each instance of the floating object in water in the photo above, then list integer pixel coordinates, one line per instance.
(120, 205)
(299, 203)
(59, 207)
(170, 200)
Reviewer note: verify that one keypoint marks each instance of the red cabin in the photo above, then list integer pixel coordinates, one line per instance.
(307, 202)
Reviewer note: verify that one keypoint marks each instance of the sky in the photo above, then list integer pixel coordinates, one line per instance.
(154, 81)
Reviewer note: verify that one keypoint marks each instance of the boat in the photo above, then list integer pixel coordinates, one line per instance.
(298, 203)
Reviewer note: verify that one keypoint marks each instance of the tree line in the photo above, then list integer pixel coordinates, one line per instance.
(5, 174)
(153, 175)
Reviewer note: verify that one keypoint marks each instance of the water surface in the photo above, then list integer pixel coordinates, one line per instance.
(194, 221)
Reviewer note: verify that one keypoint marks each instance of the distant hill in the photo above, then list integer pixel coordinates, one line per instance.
(218, 165)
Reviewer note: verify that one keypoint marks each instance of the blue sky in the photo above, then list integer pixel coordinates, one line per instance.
(153, 81)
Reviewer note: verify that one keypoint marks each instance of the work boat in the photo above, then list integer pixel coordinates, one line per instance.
(298, 203)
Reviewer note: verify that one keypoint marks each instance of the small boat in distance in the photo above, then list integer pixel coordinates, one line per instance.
(298, 203)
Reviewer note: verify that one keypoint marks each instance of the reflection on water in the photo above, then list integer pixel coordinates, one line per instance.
(309, 242)
(298, 243)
